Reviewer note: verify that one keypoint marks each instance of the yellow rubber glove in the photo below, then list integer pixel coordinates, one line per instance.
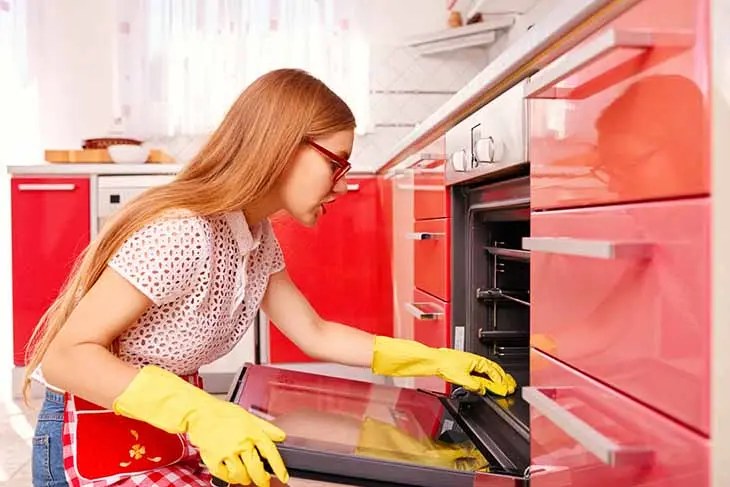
(230, 439)
(397, 357)
(382, 440)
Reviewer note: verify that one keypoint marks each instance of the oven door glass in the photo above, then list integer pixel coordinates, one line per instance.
(360, 433)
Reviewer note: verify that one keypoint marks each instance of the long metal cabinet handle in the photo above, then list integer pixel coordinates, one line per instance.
(421, 187)
(607, 450)
(602, 45)
(424, 235)
(598, 249)
(418, 313)
(353, 187)
(46, 187)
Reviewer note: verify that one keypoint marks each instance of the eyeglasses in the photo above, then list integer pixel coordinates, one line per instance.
(340, 164)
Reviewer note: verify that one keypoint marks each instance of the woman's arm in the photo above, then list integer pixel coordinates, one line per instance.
(78, 359)
(334, 342)
(320, 339)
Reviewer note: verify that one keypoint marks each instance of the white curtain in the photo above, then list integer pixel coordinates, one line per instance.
(19, 120)
(181, 63)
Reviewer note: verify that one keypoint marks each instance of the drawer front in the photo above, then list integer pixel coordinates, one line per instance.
(430, 198)
(431, 257)
(431, 326)
(623, 294)
(624, 115)
(592, 436)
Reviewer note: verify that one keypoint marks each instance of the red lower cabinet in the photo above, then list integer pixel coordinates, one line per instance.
(584, 434)
(432, 269)
(50, 227)
(342, 265)
(623, 294)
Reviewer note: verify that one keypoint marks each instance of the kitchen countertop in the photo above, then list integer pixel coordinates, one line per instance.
(534, 50)
(70, 168)
(49, 169)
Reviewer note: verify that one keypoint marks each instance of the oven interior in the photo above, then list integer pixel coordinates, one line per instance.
(491, 301)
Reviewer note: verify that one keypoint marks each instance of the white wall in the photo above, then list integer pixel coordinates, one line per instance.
(388, 21)
(75, 73)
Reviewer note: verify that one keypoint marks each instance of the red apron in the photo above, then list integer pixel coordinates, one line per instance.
(101, 448)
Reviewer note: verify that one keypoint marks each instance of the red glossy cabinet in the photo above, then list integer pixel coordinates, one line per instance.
(432, 261)
(623, 294)
(342, 265)
(589, 435)
(624, 116)
(50, 227)
(430, 197)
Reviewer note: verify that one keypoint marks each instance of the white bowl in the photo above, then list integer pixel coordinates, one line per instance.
(128, 153)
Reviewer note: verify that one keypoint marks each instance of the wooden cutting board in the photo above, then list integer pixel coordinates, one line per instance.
(99, 156)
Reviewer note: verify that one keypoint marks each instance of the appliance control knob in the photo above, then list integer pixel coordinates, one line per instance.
(459, 161)
(489, 150)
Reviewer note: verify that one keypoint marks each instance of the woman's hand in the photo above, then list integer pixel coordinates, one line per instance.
(232, 441)
(396, 357)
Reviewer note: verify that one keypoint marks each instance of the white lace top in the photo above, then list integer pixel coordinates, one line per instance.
(206, 278)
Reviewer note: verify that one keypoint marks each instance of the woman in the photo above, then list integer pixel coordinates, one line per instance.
(173, 282)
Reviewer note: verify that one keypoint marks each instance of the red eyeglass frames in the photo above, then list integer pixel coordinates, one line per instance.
(340, 164)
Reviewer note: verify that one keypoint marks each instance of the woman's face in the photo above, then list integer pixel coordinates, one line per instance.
(308, 185)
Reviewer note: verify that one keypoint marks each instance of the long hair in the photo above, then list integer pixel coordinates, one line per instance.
(240, 163)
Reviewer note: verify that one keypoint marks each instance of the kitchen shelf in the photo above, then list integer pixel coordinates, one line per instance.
(474, 35)
(491, 7)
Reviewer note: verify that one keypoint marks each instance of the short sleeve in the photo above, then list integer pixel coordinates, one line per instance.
(272, 251)
(164, 259)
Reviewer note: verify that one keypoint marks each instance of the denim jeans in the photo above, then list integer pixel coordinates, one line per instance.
(48, 444)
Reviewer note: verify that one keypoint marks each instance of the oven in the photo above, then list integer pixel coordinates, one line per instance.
(357, 433)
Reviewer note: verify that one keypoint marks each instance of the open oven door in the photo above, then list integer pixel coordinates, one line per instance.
(357, 433)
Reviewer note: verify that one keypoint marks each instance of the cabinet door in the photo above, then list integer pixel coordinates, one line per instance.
(50, 227)
(622, 293)
(431, 256)
(342, 265)
(619, 119)
(589, 435)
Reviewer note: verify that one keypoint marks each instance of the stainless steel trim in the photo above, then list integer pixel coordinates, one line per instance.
(416, 312)
(46, 187)
(604, 448)
(420, 187)
(597, 249)
(353, 187)
(601, 45)
(424, 235)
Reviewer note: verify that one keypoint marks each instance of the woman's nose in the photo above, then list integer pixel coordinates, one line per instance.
(340, 186)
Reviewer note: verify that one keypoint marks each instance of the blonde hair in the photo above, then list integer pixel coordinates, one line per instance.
(240, 163)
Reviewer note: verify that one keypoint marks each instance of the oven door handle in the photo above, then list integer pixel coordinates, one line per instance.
(425, 235)
(414, 310)
(542, 84)
(604, 448)
(597, 249)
